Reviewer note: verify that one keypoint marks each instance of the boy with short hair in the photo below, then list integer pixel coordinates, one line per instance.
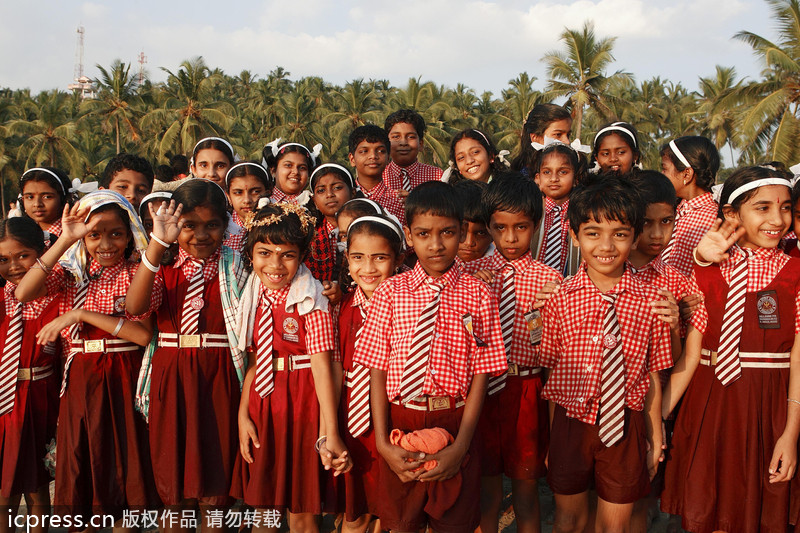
(368, 148)
(130, 175)
(431, 338)
(406, 130)
(477, 242)
(604, 347)
(513, 431)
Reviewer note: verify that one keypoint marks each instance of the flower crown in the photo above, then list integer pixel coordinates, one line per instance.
(306, 220)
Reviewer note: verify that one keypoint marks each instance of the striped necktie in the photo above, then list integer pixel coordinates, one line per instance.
(406, 179)
(671, 244)
(78, 302)
(9, 365)
(552, 248)
(416, 365)
(358, 420)
(193, 301)
(612, 380)
(506, 307)
(728, 368)
(264, 382)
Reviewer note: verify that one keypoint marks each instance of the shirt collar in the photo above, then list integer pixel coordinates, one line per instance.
(377, 190)
(550, 204)
(410, 169)
(656, 264)
(96, 271)
(359, 298)
(581, 280)
(329, 228)
(419, 276)
(521, 264)
(236, 219)
(8, 290)
(275, 295)
(699, 202)
(761, 254)
(184, 256)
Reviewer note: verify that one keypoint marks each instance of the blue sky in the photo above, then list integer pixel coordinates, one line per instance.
(482, 44)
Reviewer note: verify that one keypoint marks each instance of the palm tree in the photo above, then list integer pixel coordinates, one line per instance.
(771, 120)
(719, 98)
(579, 72)
(117, 104)
(518, 100)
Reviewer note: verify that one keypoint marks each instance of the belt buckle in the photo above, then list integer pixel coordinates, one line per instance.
(278, 364)
(94, 346)
(189, 341)
(713, 358)
(513, 369)
(438, 403)
(24, 374)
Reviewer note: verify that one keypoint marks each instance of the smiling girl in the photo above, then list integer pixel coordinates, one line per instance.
(291, 164)
(211, 159)
(475, 158)
(246, 182)
(616, 149)
(43, 193)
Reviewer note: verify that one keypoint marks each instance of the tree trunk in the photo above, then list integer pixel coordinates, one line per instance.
(578, 121)
(116, 120)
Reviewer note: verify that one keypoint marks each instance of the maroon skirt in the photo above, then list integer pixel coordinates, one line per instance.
(286, 472)
(717, 474)
(194, 439)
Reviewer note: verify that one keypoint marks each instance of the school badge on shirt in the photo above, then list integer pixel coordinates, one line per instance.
(767, 305)
(119, 304)
(290, 329)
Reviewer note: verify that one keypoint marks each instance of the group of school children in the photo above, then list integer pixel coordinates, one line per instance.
(386, 344)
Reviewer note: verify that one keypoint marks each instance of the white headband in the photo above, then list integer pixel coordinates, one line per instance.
(755, 184)
(378, 209)
(393, 224)
(485, 138)
(616, 127)
(678, 154)
(276, 148)
(243, 163)
(223, 141)
(77, 185)
(576, 145)
(333, 165)
(166, 195)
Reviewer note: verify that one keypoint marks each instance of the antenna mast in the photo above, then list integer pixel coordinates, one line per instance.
(82, 83)
(142, 61)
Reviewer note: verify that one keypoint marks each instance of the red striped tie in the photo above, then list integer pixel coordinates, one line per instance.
(612, 381)
(416, 365)
(264, 382)
(78, 302)
(506, 307)
(193, 301)
(406, 179)
(552, 248)
(9, 365)
(358, 420)
(728, 368)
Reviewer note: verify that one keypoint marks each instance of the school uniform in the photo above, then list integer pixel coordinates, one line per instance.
(568, 254)
(297, 199)
(663, 276)
(575, 342)
(513, 432)
(322, 261)
(465, 341)
(52, 233)
(28, 426)
(717, 475)
(693, 219)
(386, 198)
(235, 241)
(396, 177)
(103, 464)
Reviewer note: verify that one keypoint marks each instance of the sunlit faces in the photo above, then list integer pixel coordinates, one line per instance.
(614, 154)
(15, 260)
(330, 194)
(405, 143)
(676, 176)
(202, 233)
(555, 177)
(211, 164)
(511, 233)
(291, 173)
(369, 159)
(605, 245)
(244, 193)
(371, 260)
(42, 203)
(476, 242)
(132, 185)
(766, 217)
(106, 243)
(473, 160)
(435, 240)
(659, 221)
(276, 264)
(558, 130)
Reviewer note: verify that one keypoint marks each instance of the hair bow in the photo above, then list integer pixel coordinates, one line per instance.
(85, 188)
(575, 146)
(275, 147)
(501, 155)
(448, 172)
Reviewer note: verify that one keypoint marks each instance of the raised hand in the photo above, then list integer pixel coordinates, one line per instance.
(166, 220)
(714, 245)
(73, 223)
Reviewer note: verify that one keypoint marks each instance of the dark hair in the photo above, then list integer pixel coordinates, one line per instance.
(576, 161)
(126, 221)
(633, 143)
(253, 169)
(289, 230)
(369, 133)
(606, 196)
(435, 198)
(795, 194)
(193, 193)
(165, 173)
(338, 172)
(654, 188)
(408, 116)
(213, 144)
(25, 231)
(540, 117)
(61, 185)
(369, 227)
(359, 207)
(179, 164)
(272, 159)
(484, 140)
(468, 194)
(513, 193)
(701, 154)
(124, 161)
(743, 176)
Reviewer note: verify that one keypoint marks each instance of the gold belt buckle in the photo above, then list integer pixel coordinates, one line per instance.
(24, 374)
(438, 403)
(189, 341)
(94, 346)
(513, 369)
(278, 364)
(713, 358)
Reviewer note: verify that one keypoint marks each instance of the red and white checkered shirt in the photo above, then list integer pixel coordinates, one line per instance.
(54, 229)
(280, 196)
(186, 262)
(418, 173)
(762, 267)
(529, 278)
(455, 357)
(547, 221)
(694, 217)
(384, 197)
(318, 323)
(235, 242)
(359, 300)
(572, 343)
(31, 310)
(664, 276)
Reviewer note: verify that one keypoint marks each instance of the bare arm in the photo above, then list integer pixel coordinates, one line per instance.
(247, 430)
(652, 407)
(138, 332)
(682, 372)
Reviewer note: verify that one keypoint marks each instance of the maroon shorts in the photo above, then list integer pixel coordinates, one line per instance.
(578, 457)
(514, 430)
(445, 506)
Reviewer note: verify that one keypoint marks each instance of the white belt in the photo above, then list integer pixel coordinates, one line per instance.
(518, 370)
(295, 362)
(89, 346)
(34, 373)
(203, 340)
(751, 359)
(432, 403)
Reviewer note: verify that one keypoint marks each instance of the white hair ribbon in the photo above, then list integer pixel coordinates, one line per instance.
(263, 202)
(274, 146)
(46, 171)
(313, 153)
(756, 184)
(501, 155)
(576, 145)
(716, 192)
(448, 172)
(616, 127)
(85, 188)
(795, 169)
(333, 165)
(679, 154)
